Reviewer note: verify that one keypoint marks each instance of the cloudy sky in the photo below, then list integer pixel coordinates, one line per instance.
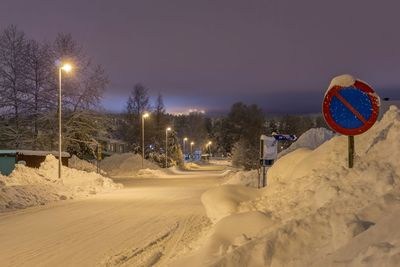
(208, 54)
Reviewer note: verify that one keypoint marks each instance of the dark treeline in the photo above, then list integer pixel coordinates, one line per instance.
(29, 93)
(235, 135)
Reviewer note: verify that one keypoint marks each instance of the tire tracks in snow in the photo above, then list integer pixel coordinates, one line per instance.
(167, 245)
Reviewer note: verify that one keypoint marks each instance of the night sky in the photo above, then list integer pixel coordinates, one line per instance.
(207, 54)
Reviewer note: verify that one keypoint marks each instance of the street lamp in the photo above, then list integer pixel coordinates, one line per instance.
(67, 68)
(191, 149)
(209, 147)
(144, 116)
(166, 146)
(184, 142)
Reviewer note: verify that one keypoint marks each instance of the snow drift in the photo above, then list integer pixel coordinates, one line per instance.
(317, 211)
(246, 178)
(127, 164)
(83, 165)
(311, 139)
(26, 186)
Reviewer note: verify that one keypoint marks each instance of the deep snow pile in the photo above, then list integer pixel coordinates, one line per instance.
(26, 186)
(83, 165)
(127, 164)
(315, 210)
(311, 139)
(246, 178)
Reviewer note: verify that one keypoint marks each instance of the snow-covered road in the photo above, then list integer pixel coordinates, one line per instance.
(147, 222)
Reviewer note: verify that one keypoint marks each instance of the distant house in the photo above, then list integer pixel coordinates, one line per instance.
(112, 146)
(385, 105)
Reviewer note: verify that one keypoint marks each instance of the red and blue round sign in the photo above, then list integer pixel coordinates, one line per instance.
(351, 110)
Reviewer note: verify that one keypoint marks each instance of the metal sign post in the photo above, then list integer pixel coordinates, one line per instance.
(269, 153)
(99, 150)
(351, 151)
(351, 110)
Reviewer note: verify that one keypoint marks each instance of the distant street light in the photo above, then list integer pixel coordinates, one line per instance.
(184, 142)
(144, 116)
(166, 146)
(67, 68)
(209, 147)
(191, 149)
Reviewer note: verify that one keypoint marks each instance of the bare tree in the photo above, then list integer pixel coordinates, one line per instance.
(13, 51)
(40, 85)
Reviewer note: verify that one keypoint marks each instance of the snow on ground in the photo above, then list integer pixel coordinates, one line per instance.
(26, 187)
(246, 178)
(311, 139)
(220, 161)
(83, 165)
(191, 166)
(127, 164)
(149, 222)
(223, 201)
(315, 210)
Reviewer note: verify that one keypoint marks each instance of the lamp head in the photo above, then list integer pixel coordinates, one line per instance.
(146, 115)
(66, 67)
(168, 129)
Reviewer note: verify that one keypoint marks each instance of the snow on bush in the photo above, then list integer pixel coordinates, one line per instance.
(26, 186)
(127, 164)
(314, 206)
(311, 139)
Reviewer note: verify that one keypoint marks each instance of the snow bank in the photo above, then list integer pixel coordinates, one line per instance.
(83, 165)
(246, 178)
(311, 139)
(26, 186)
(222, 201)
(317, 211)
(127, 164)
(222, 162)
(191, 166)
(149, 173)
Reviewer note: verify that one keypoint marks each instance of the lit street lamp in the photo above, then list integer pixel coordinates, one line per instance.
(184, 142)
(67, 68)
(209, 148)
(144, 116)
(191, 149)
(166, 146)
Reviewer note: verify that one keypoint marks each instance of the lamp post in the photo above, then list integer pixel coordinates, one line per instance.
(191, 149)
(67, 68)
(209, 148)
(144, 116)
(184, 143)
(166, 146)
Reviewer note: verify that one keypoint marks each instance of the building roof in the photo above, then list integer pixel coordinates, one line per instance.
(34, 153)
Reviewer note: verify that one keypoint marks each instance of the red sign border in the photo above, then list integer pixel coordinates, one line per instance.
(351, 132)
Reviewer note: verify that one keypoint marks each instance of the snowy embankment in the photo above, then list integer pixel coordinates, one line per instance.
(26, 187)
(311, 139)
(83, 165)
(130, 165)
(315, 211)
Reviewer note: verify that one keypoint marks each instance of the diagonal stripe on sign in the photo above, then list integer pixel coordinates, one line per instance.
(350, 107)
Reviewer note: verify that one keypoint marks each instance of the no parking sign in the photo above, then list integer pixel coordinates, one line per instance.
(350, 107)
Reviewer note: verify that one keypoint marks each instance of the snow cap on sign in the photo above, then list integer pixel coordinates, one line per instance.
(344, 80)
